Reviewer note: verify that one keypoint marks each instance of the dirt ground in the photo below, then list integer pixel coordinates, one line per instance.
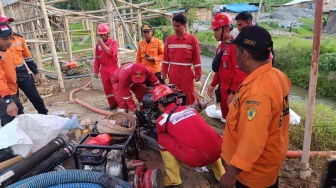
(58, 103)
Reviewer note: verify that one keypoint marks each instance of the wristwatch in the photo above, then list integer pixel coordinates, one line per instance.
(7, 101)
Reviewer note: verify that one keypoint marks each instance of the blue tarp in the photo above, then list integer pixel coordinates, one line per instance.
(241, 7)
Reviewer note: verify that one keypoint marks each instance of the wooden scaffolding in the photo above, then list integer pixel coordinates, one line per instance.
(46, 28)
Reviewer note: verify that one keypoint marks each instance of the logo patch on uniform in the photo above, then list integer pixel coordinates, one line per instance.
(251, 113)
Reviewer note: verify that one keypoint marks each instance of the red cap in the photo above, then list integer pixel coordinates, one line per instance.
(138, 73)
(4, 18)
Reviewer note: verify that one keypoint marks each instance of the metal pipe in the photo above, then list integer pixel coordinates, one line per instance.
(305, 170)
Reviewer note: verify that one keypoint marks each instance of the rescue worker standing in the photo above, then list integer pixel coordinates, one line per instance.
(181, 52)
(131, 77)
(243, 19)
(229, 76)
(22, 57)
(106, 62)
(255, 139)
(10, 105)
(150, 52)
(184, 135)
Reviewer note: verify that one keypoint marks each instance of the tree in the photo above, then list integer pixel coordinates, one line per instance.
(79, 5)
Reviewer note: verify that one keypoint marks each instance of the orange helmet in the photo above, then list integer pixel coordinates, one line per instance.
(103, 28)
(221, 19)
(160, 92)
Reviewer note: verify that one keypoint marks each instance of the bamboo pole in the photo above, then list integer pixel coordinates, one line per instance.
(52, 46)
(56, 1)
(139, 24)
(123, 23)
(305, 171)
(93, 38)
(74, 13)
(258, 15)
(12, 15)
(140, 7)
(36, 48)
(67, 29)
(1, 8)
(111, 22)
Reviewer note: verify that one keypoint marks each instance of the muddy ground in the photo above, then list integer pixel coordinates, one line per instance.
(58, 102)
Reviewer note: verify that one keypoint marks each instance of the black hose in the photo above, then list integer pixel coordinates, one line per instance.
(48, 164)
(15, 172)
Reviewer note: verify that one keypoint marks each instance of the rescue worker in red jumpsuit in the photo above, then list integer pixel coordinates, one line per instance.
(131, 77)
(106, 62)
(229, 76)
(184, 135)
(181, 52)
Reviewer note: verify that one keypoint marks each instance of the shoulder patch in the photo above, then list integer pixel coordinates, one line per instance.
(251, 112)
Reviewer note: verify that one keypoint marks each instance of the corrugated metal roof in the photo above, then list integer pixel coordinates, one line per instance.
(297, 2)
(241, 7)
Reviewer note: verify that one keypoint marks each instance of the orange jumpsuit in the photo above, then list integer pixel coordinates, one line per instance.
(155, 49)
(255, 138)
(8, 86)
(21, 54)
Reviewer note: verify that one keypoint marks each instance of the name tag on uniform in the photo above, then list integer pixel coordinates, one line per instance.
(225, 64)
(99, 47)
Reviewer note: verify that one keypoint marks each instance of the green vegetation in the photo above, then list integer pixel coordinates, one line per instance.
(324, 127)
(206, 37)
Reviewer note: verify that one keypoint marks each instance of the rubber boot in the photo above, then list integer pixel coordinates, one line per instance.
(218, 169)
(172, 168)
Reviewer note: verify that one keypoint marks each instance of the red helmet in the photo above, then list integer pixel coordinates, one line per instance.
(160, 92)
(221, 19)
(103, 28)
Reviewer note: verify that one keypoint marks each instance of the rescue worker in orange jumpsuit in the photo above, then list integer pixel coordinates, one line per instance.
(10, 105)
(150, 52)
(229, 76)
(184, 135)
(255, 139)
(106, 62)
(22, 58)
(181, 53)
(131, 77)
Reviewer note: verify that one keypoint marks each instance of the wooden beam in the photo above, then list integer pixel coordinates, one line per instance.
(56, 1)
(52, 46)
(139, 7)
(123, 23)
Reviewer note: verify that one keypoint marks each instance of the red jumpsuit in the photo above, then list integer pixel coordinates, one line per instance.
(179, 55)
(123, 85)
(188, 137)
(229, 76)
(107, 63)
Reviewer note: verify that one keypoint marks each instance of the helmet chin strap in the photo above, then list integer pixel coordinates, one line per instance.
(222, 34)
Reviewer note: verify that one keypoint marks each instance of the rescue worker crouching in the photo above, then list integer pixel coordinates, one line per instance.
(106, 62)
(131, 77)
(184, 135)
